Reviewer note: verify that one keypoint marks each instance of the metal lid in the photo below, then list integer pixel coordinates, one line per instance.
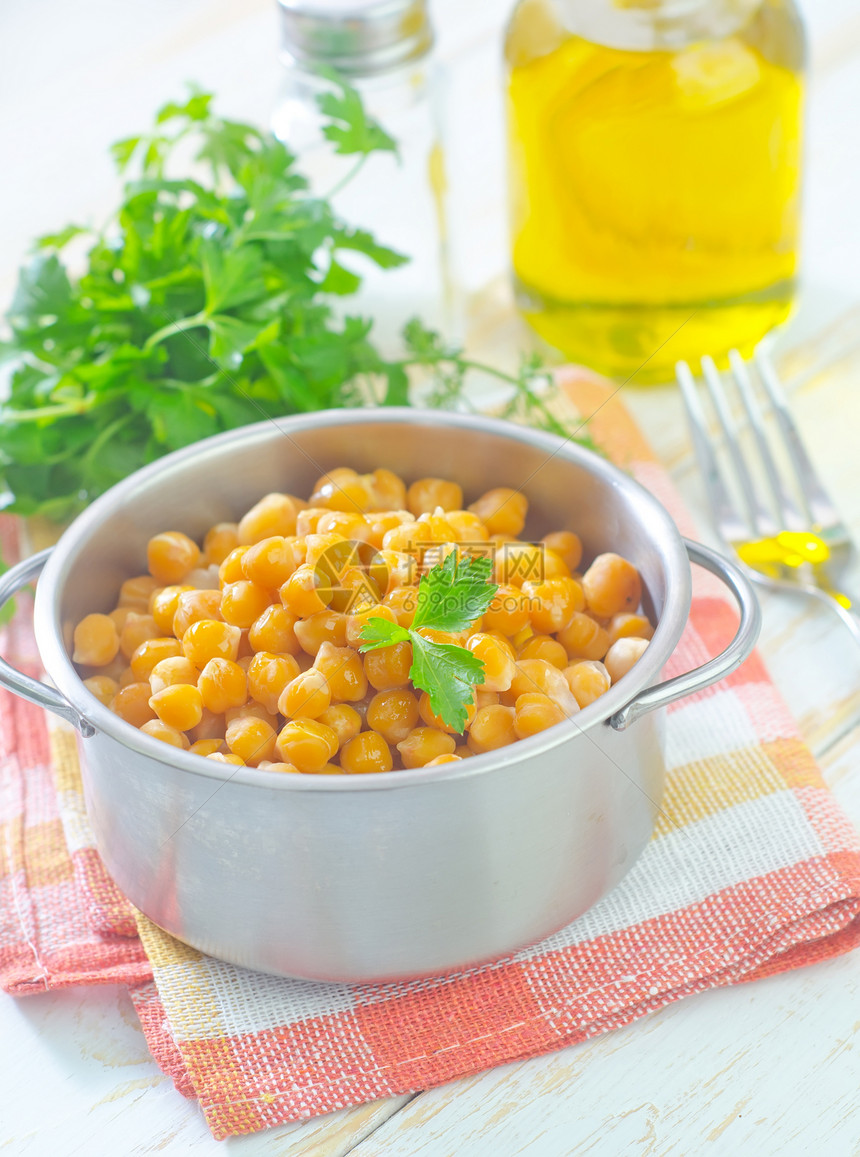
(356, 37)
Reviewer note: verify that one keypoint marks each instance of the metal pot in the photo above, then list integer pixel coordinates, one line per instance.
(382, 876)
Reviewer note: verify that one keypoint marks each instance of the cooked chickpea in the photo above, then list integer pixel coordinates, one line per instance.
(151, 652)
(426, 494)
(131, 703)
(96, 641)
(167, 734)
(587, 680)
(243, 602)
(270, 562)
(220, 757)
(222, 684)
(367, 752)
(305, 592)
(323, 627)
(307, 695)
(344, 721)
(274, 631)
(423, 744)
(389, 666)
(624, 625)
(355, 622)
(429, 717)
(222, 538)
(273, 515)
(192, 606)
(344, 672)
(553, 603)
(180, 705)
(206, 746)
(623, 655)
(210, 639)
(534, 712)
(503, 510)
(171, 555)
(251, 739)
(452, 758)
(611, 585)
(544, 647)
(136, 592)
(566, 545)
(136, 630)
(508, 612)
(230, 570)
(518, 562)
(268, 675)
(163, 603)
(393, 713)
(103, 687)
(583, 638)
(307, 744)
(492, 727)
(499, 663)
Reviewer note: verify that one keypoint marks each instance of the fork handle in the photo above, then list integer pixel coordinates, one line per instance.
(718, 667)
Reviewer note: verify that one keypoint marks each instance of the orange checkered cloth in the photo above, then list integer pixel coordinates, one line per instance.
(752, 869)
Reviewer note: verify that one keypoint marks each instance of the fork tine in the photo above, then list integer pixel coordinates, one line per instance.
(815, 500)
(726, 518)
(759, 517)
(785, 504)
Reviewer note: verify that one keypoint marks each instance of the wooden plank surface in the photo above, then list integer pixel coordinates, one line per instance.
(763, 1068)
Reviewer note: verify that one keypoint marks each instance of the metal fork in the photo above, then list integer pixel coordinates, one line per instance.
(794, 539)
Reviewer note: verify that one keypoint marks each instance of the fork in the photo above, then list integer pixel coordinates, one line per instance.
(794, 539)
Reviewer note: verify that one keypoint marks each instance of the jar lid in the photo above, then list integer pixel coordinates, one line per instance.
(356, 37)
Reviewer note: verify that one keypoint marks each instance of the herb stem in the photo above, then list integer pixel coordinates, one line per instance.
(174, 327)
(348, 176)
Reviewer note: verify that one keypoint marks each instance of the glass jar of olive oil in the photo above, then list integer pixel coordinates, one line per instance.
(655, 175)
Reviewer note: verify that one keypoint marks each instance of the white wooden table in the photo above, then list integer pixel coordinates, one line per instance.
(766, 1068)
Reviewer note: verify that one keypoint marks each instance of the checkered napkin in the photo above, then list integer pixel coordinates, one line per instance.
(752, 869)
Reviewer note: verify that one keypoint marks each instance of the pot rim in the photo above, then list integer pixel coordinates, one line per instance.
(666, 537)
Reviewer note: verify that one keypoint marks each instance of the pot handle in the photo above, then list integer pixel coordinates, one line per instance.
(15, 681)
(716, 668)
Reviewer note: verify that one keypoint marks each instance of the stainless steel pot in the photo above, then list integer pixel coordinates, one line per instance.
(373, 877)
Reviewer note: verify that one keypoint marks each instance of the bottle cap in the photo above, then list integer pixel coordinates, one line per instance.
(355, 37)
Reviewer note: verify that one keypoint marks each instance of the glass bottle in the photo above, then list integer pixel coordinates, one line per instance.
(383, 49)
(654, 154)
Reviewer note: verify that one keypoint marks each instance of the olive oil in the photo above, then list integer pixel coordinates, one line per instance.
(654, 193)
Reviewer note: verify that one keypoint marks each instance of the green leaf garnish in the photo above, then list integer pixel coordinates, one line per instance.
(451, 596)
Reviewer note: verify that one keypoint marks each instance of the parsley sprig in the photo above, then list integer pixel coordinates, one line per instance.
(451, 596)
(205, 303)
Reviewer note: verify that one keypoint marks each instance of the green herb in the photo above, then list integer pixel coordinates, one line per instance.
(451, 596)
(204, 304)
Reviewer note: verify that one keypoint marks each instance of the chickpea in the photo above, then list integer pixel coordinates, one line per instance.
(206, 746)
(180, 705)
(136, 630)
(535, 712)
(307, 695)
(136, 592)
(270, 562)
(210, 639)
(344, 672)
(393, 713)
(587, 680)
(367, 752)
(544, 647)
(230, 569)
(273, 515)
(274, 631)
(222, 684)
(243, 602)
(425, 495)
(429, 717)
(566, 545)
(96, 641)
(389, 666)
(324, 627)
(553, 603)
(131, 703)
(423, 744)
(192, 606)
(344, 721)
(267, 677)
(167, 734)
(611, 585)
(150, 653)
(103, 687)
(499, 664)
(251, 739)
(503, 510)
(622, 655)
(624, 625)
(508, 612)
(583, 638)
(222, 538)
(307, 744)
(171, 555)
(491, 728)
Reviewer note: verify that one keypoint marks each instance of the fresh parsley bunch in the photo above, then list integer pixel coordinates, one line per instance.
(451, 596)
(204, 304)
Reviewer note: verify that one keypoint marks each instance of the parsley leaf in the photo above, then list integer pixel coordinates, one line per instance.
(454, 593)
(351, 130)
(451, 596)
